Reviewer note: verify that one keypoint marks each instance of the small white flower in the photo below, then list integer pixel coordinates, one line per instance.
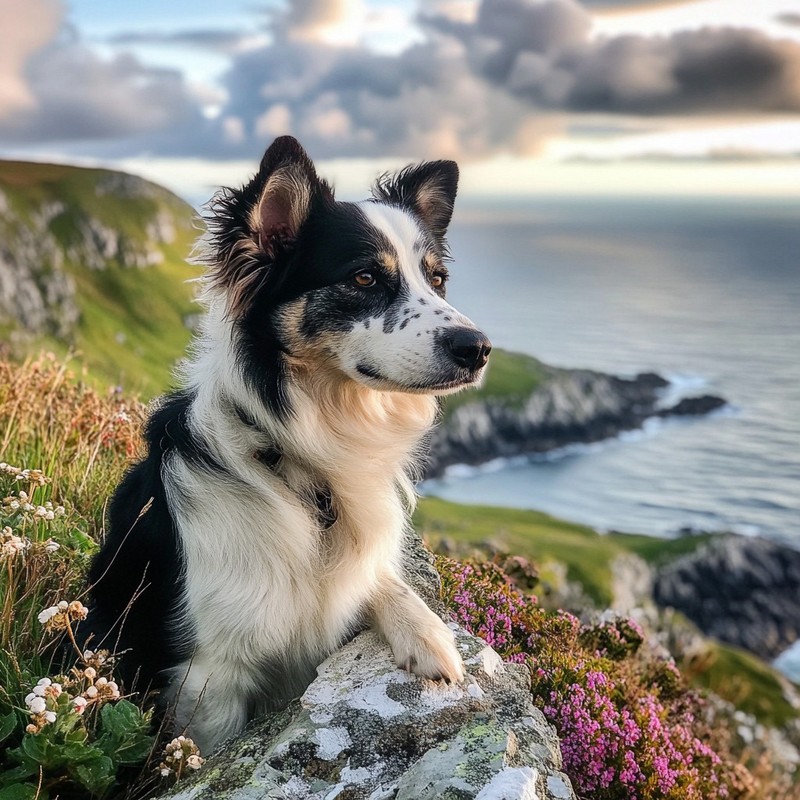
(48, 613)
(91, 692)
(63, 605)
(178, 755)
(50, 716)
(165, 772)
(59, 511)
(39, 691)
(90, 673)
(194, 762)
(23, 496)
(101, 681)
(37, 705)
(80, 704)
(50, 546)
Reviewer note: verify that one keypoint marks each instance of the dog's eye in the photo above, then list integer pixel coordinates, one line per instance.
(438, 280)
(365, 279)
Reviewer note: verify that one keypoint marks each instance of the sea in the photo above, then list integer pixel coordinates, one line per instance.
(705, 292)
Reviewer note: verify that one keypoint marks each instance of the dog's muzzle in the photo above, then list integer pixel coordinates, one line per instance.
(467, 347)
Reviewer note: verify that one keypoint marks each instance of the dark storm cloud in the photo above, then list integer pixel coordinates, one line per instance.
(720, 70)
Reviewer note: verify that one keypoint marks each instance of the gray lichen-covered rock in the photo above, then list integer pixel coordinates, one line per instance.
(367, 730)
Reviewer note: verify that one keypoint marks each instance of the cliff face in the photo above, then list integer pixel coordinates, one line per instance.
(566, 407)
(94, 260)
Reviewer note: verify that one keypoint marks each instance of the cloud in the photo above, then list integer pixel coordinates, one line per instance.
(349, 101)
(708, 71)
(78, 95)
(220, 41)
(718, 155)
(481, 78)
(54, 88)
(543, 52)
(635, 5)
(32, 24)
(789, 19)
(499, 80)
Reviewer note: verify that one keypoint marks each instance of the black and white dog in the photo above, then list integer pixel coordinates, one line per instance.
(265, 523)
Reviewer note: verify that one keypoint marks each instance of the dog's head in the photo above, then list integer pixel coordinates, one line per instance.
(354, 287)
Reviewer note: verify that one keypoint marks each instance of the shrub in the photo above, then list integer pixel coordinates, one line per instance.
(629, 728)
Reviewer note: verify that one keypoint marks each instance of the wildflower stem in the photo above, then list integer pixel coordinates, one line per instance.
(72, 639)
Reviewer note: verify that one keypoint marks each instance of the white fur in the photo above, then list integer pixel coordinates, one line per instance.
(407, 355)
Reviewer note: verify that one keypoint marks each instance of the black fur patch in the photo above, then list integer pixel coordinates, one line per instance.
(137, 577)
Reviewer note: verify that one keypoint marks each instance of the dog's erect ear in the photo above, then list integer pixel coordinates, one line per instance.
(253, 225)
(429, 190)
(286, 182)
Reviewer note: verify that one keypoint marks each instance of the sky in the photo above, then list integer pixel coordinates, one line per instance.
(531, 97)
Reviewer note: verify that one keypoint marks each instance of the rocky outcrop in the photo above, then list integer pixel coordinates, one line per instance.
(365, 729)
(741, 590)
(568, 407)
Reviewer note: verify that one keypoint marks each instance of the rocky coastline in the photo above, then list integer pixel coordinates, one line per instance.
(567, 407)
(739, 589)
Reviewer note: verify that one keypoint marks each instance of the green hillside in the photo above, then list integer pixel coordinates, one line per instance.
(95, 263)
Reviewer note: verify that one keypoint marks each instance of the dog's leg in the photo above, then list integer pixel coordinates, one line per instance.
(420, 641)
(211, 700)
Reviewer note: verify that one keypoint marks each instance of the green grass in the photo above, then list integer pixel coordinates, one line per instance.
(656, 550)
(749, 683)
(132, 320)
(510, 379)
(537, 536)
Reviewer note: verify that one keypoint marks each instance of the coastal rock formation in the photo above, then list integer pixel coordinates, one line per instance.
(741, 590)
(568, 407)
(365, 729)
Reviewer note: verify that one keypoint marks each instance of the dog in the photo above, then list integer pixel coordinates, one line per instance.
(264, 525)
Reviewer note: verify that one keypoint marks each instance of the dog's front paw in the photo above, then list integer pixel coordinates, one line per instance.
(429, 651)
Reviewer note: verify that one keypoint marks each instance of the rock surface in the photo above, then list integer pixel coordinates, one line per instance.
(569, 407)
(365, 729)
(741, 590)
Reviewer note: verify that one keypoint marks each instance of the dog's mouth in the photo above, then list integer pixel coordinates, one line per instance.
(462, 381)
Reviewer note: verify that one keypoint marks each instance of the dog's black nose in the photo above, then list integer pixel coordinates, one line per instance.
(468, 348)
